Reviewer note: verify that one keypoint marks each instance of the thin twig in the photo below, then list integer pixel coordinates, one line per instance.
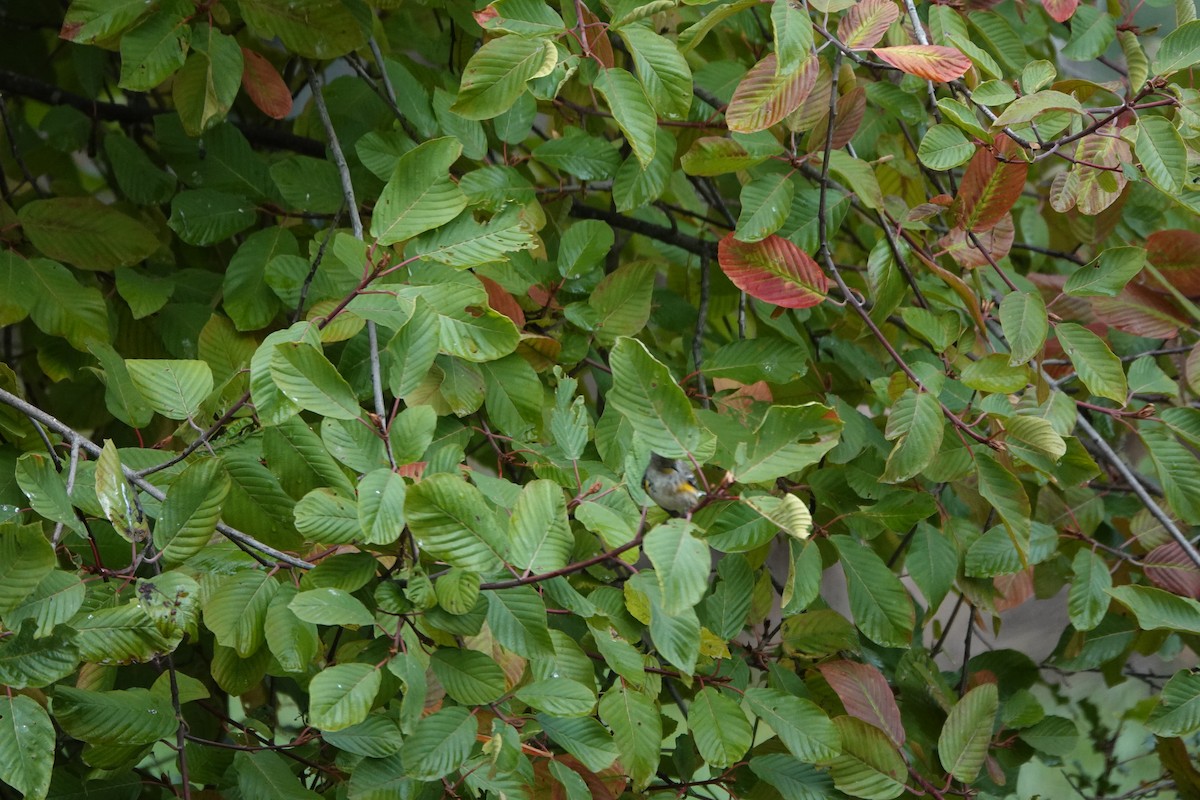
(244, 540)
(701, 324)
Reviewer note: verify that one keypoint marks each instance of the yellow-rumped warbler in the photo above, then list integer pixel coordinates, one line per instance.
(672, 484)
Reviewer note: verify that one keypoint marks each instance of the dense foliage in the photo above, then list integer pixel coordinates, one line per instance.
(338, 335)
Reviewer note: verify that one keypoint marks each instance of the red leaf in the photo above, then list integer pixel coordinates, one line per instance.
(1141, 311)
(500, 300)
(264, 85)
(1176, 254)
(990, 188)
(774, 271)
(866, 23)
(929, 61)
(995, 242)
(1168, 567)
(763, 98)
(595, 33)
(865, 693)
(850, 110)
(1060, 10)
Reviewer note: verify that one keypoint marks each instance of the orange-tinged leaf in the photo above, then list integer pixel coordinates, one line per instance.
(932, 62)
(996, 242)
(763, 98)
(865, 693)
(866, 23)
(773, 270)
(500, 300)
(1060, 10)
(1168, 567)
(595, 33)
(264, 85)
(850, 110)
(1176, 254)
(990, 188)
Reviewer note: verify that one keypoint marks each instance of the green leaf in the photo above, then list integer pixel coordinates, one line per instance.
(586, 157)
(719, 727)
(650, 399)
(710, 156)
(1178, 709)
(1178, 471)
(1107, 275)
(583, 737)
(154, 50)
(117, 498)
(793, 36)
(467, 328)
(1094, 362)
(292, 641)
(681, 564)
(265, 773)
(1161, 150)
(59, 306)
(800, 724)
(540, 537)
(342, 695)
(191, 511)
(325, 516)
(963, 742)
(452, 522)
(86, 233)
(635, 186)
(993, 374)
(1088, 599)
(29, 662)
(329, 606)
(1179, 49)
(517, 618)
(54, 600)
(376, 737)
(583, 247)
(637, 730)
(944, 147)
(26, 558)
(470, 677)
(318, 29)
(1024, 322)
(932, 561)
(47, 492)
(1003, 490)
(207, 216)
(237, 608)
(794, 779)
(88, 21)
(419, 195)
(26, 746)
(1055, 736)
(917, 427)
(126, 717)
(306, 377)
(663, 71)
(463, 242)
(496, 74)
(766, 203)
(1156, 609)
(881, 606)
(205, 88)
(439, 743)
(631, 109)
(381, 496)
(869, 765)
(174, 389)
(121, 635)
(561, 697)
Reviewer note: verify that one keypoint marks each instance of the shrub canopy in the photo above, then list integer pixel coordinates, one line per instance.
(338, 335)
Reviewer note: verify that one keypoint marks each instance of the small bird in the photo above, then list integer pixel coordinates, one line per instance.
(672, 484)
